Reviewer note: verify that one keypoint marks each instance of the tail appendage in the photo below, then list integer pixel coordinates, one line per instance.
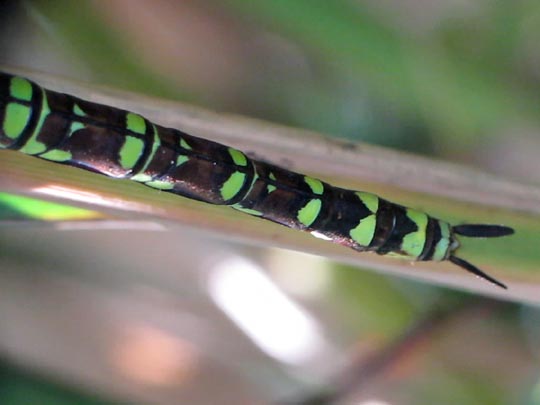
(479, 231)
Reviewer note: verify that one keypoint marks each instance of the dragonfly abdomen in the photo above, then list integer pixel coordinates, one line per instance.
(122, 144)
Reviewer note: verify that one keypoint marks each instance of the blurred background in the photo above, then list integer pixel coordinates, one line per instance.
(154, 315)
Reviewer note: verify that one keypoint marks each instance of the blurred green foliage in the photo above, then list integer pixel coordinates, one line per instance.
(449, 89)
(18, 387)
(15, 207)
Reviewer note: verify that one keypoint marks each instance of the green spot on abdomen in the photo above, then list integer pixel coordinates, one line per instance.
(413, 243)
(270, 187)
(15, 120)
(238, 157)
(315, 185)
(442, 246)
(78, 111)
(247, 210)
(75, 126)
(184, 144)
(232, 186)
(363, 233)
(309, 213)
(131, 151)
(20, 88)
(143, 178)
(33, 146)
(135, 123)
(371, 201)
(181, 159)
(160, 184)
(57, 155)
(396, 255)
(155, 145)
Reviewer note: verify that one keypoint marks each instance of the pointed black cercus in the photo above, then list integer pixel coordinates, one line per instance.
(482, 230)
(475, 270)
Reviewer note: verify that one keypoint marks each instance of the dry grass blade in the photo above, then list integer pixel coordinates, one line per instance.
(445, 190)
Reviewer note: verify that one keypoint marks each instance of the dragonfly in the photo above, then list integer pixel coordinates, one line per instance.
(124, 145)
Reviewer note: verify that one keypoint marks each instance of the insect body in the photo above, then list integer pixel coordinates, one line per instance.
(121, 144)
